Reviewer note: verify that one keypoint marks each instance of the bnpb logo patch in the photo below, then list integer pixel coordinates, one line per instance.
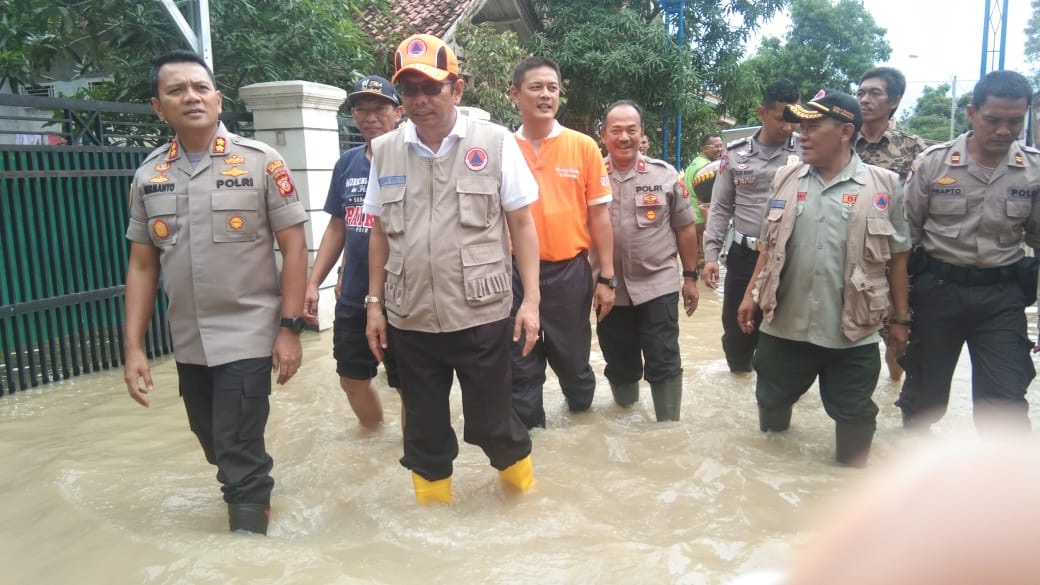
(476, 159)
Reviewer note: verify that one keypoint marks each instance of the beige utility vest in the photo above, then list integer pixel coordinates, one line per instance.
(867, 253)
(449, 266)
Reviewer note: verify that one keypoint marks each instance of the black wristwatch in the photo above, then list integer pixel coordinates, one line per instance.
(294, 324)
(691, 274)
(611, 282)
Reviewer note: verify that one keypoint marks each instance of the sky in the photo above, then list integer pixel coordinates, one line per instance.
(935, 40)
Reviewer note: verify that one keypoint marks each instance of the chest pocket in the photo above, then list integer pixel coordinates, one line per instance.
(1018, 210)
(876, 248)
(235, 216)
(391, 213)
(162, 219)
(945, 214)
(478, 204)
(649, 209)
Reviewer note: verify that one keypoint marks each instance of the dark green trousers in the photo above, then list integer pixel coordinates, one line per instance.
(786, 369)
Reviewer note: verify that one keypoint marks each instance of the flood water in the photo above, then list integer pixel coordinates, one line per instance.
(97, 490)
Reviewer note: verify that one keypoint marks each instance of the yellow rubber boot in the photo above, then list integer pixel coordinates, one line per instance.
(428, 492)
(519, 475)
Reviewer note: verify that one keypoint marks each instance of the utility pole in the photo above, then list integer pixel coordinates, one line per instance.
(197, 33)
(673, 21)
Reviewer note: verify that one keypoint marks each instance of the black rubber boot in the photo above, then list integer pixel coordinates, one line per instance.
(667, 396)
(249, 518)
(852, 441)
(625, 395)
(774, 419)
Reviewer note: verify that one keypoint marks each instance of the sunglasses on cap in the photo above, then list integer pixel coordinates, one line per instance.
(430, 88)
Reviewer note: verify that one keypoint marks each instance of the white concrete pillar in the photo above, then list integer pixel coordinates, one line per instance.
(298, 118)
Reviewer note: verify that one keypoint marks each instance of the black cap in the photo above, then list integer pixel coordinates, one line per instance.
(373, 85)
(827, 104)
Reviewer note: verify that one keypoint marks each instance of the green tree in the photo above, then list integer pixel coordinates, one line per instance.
(490, 70)
(829, 44)
(1033, 42)
(930, 117)
(253, 41)
(614, 49)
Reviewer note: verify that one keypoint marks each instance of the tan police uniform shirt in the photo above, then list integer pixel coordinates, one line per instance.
(214, 227)
(967, 215)
(741, 189)
(650, 204)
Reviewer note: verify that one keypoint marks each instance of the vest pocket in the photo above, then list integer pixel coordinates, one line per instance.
(874, 289)
(391, 213)
(477, 208)
(876, 248)
(484, 274)
(162, 219)
(235, 216)
(393, 290)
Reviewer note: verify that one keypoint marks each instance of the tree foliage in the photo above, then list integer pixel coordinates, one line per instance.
(488, 58)
(614, 49)
(1032, 48)
(930, 117)
(829, 44)
(253, 41)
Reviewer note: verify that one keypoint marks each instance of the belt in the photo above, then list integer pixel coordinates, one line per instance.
(971, 276)
(746, 241)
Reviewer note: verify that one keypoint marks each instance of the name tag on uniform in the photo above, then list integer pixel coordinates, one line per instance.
(392, 180)
(1023, 193)
(777, 204)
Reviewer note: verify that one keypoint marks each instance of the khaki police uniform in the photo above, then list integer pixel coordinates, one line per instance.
(970, 279)
(214, 226)
(650, 205)
(448, 286)
(739, 195)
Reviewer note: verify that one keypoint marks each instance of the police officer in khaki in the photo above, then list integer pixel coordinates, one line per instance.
(738, 196)
(652, 220)
(208, 208)
(971, 202)
(444, 189)
(835, 245)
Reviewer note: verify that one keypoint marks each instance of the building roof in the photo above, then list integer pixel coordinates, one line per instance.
(439, 17)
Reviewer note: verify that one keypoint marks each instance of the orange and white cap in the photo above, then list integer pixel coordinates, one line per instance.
(425, 54)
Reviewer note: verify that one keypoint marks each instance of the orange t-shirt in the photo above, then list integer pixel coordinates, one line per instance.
(571, 176)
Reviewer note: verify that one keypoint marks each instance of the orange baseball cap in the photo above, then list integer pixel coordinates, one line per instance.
(425, 54)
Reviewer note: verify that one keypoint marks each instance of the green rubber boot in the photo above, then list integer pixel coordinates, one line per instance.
(774, 419)
(667, 396)
(625, 395)
(852, 442)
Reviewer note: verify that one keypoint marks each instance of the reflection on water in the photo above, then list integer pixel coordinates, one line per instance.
(96, 489)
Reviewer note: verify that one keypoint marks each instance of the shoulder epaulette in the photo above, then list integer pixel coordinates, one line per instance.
(162, 149)
(250, 143)
(1029, 149)
(940, 146)
(738, 142)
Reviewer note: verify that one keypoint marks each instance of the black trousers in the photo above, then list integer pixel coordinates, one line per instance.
(991, 319)
(738, 346)
(479, 357)
(787, 369)
(564, 343)
(641, 341)
(227, 409)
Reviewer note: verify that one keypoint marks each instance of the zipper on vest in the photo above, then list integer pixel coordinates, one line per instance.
(430, 162)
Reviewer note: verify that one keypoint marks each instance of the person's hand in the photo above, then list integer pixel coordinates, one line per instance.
(603, 302)
(286, 355)
(375, 332)
(310, 303)
(138, 375)
(897, 337)
(527, 322)
(710, 274)
(690, 295)
(746, 315)
(339, 285)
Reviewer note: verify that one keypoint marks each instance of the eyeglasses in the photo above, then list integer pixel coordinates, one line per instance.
(428, 89)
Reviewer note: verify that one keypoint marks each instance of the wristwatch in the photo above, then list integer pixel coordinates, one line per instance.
(294, 324)
(691, 274)
(372, 299)
(611, 282)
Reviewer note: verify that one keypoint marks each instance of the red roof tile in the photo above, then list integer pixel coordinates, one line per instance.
(434, 17)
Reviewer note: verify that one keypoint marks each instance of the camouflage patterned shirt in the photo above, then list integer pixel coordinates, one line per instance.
(895, 151)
